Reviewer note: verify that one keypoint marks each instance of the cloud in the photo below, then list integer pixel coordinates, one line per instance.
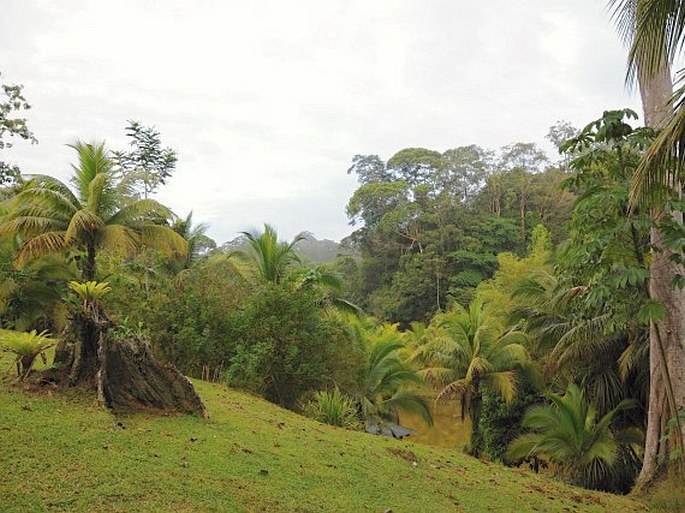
(266, 102)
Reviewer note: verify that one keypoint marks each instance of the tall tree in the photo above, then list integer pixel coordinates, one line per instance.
(654, 30)
(147, 165)
(11, 125)
(521, 162)
(369, 169)
(463, 171)
(416, 166)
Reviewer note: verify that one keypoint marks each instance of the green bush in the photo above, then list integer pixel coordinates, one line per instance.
(500, 423)
(188, 321)
(286, 345)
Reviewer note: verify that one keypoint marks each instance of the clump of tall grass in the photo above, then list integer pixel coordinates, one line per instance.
(333, 408)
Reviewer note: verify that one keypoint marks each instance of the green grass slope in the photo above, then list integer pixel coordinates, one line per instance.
(64, 453)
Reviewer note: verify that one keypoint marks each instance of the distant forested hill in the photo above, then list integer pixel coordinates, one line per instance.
(320, 251)
(310, 249)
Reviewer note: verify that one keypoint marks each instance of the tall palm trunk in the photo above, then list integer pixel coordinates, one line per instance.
(667, 337)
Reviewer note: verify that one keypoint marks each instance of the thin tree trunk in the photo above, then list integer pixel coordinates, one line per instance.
(666, 338)
(89, 265)
(476, 442)
(522, 214)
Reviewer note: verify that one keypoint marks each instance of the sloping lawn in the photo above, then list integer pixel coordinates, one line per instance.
(62, 452)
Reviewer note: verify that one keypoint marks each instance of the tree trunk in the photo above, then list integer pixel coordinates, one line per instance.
(522, 214)
(476, 443)
(666, 338)
(80, 359)
(88, 271)
(131, 379)
(124, 372)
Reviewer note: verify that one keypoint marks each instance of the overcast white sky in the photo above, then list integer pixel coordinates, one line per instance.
(266, 102)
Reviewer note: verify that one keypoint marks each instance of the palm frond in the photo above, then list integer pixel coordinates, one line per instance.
(653, 30)
(525, 446)
(28, 226)
(478, 368)
(409, 402)
(140, 211)
(163, 238)
(346, 306)
(437, 375)
(660, 172)
(459, 387)
(118, 239)
(45, 243)
(580, 338)
(93, 160)
(503, 384)
(97, 191)
(83, 222)
(49, 187)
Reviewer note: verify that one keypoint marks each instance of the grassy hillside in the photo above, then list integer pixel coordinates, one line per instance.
(64, 453)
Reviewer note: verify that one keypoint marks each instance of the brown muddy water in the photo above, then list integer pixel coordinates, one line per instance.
(448, 429)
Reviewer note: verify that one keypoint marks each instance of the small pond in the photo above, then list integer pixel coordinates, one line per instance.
(448, 429)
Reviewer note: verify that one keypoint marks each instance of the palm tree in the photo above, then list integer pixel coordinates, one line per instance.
(416, 336)
(50, 218)
(568, 434)
(329, 285)
(196, 239)
(387, 381)
(31, 295)
(654, 30)
(472, 352)
(271, 258)
(576, 340)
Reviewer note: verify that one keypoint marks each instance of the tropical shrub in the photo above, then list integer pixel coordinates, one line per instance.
(26, 346)
(388, 384)
(189, 321)
(31, 294)
(568, 434)
(500, 423)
